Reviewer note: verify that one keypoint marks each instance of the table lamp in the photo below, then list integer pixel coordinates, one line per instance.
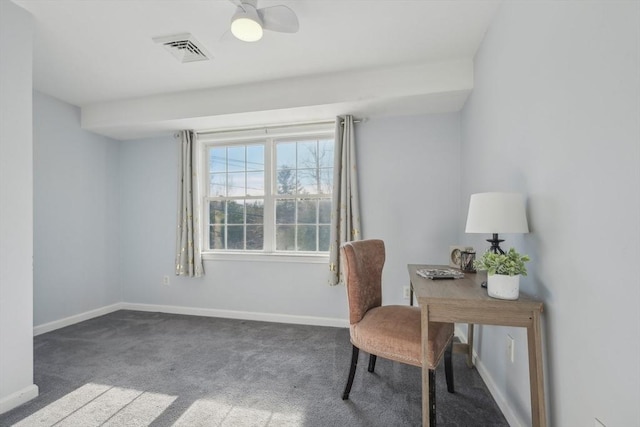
(496, 213)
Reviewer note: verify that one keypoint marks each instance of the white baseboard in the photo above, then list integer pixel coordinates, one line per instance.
(192, 311)
(18, 398)
(505, 406)
(244, 315)
(68, 321)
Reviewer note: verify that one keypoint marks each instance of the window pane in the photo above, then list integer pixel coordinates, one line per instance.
(307, 154)
(285, 212)
(286, 181)
(255, 211)
(255, 237)
(307, 211)
(255, 183)
(308, 181)
(255, 158)
(217, 159)
(216, 237)
(324, 211)
(285, 238)
(217, 184)
(236, 184)
(306, 237)
(235, 212)
(325, 153)
(216, 213)
(323, 237)
(235, 158)
(285, 155)
(326, 180)
(235, 237)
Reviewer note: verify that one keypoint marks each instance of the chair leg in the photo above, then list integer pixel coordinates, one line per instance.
(448, 367)
(372, 362)
(352, 372)
(432, 397)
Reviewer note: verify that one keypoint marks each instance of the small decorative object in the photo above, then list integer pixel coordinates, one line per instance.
(467, 259)
(503, 273)
(455, 255)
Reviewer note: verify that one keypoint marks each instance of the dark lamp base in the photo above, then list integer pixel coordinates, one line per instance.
(495, 244)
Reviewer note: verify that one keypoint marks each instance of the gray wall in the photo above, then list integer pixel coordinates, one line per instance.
(554, 114)
(16, 208)
(76, 222)
(405, 163)
(409, 171)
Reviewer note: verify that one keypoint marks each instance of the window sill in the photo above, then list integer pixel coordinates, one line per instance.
(267, 257)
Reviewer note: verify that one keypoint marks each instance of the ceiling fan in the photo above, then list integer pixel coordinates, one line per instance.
(248, 23)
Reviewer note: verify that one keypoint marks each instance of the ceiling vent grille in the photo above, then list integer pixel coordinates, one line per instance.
(184, 47)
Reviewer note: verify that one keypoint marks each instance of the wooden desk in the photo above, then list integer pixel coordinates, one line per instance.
(458, 347)
(464, 301)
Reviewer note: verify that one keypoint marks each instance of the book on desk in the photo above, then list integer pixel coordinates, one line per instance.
(440, 273)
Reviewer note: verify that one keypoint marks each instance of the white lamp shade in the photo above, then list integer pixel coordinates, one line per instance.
(497, 213)
(246, 24)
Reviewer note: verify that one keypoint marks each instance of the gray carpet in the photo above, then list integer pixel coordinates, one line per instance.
(132, 368)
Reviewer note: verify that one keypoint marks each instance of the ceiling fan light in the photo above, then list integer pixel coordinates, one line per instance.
(246, 25)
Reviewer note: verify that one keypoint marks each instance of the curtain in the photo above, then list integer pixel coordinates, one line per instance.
(188, 254)
(345, 215)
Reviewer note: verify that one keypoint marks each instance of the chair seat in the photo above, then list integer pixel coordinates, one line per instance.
(393, 332)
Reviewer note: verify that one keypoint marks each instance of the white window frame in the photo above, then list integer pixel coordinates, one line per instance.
(267, 136)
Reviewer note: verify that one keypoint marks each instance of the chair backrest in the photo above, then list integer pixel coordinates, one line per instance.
(362, 263)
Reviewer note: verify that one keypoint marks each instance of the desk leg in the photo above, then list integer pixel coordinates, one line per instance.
(536, 373)
(470, 344)
(424, 310)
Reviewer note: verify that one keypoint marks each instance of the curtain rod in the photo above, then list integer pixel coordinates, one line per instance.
(266, 127)
(356, 121)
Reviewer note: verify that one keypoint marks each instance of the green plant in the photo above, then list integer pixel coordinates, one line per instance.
(511, 263)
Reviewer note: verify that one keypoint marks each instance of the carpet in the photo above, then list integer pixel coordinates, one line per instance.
(132, 368)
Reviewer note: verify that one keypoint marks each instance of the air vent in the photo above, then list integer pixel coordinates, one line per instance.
(184, 47)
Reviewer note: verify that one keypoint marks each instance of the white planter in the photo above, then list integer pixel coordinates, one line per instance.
(503, 287)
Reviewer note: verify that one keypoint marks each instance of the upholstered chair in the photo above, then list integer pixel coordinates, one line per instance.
(393, 331)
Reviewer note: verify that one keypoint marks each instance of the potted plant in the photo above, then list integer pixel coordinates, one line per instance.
(503, 273)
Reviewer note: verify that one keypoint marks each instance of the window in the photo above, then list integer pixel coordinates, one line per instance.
(236, 197)
(268, 194)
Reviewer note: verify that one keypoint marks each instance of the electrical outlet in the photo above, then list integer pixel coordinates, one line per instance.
(598, 423)
(510, 348)
(165, 281)
(405, 292)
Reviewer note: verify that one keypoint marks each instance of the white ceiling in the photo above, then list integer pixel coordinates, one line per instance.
(89, 52)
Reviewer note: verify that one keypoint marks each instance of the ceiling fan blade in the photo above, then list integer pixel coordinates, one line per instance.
(279, 18)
